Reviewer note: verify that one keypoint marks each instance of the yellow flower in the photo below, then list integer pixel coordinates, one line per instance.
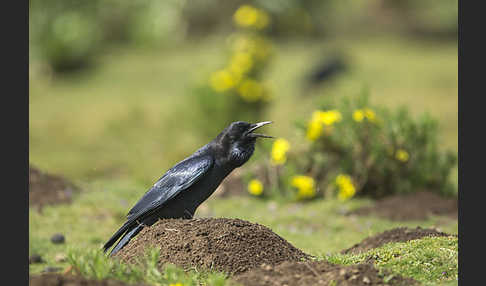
(402, 155)
(223, 80)
(320, 118)
(279, 151)
(329, 117)
(256, 46)
(358, 115)
(255, 187)
(176, 284)
(241, 62)
(248, 16)
(250, 90)
(305, 186)
(370, 114)
(314, 130)
(346, 187)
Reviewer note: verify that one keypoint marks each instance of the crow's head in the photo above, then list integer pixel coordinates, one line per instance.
(237, 141)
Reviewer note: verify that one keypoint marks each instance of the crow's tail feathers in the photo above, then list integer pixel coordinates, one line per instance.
(126, 238)
(126, 232)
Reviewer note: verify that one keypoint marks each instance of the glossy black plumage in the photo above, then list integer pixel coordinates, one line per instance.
(190, 182)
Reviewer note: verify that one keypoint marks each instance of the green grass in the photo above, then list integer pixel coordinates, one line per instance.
(95, 265)
(428, 260)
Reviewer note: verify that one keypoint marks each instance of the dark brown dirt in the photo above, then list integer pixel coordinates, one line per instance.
(48, 189)
(318, 273)
(229, 245)
(400, 234)
(71, 280)
(417, 206)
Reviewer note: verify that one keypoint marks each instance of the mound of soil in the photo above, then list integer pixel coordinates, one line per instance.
(400, 234)
(48, 189)
(318, 273)
(229, 245)
(417, 206)
(69, 280)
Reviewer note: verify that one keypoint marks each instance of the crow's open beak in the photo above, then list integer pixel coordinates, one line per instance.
(256, 126)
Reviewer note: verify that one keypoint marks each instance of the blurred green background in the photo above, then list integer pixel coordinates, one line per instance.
(111, 81)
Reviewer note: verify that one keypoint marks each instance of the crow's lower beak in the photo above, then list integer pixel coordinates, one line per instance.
(256, 126)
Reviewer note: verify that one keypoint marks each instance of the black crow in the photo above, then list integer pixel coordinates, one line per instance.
(190, 182)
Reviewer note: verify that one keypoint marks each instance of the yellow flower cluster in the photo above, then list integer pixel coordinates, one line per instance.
(360, 114)
(250, 17)
(305, 186)
(255, 187)
(319, 120)
(223, 80)
(241, 63)
(248, 52)
(254, 45)
(402, 155)
(251, 90)
(176, 284)
(279, 151)
(346, 187)
(248, 89)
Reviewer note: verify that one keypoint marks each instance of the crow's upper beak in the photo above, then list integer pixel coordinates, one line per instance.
(256, 126)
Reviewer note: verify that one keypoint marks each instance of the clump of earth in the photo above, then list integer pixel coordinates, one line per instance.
(399, 234)
(48, 189)
(228, 245)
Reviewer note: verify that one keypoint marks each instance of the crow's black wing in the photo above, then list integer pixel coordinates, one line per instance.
(178, 178)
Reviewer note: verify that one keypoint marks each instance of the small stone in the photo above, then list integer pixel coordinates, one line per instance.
(266, 267)
(366, 280)
(60, 257)
(52, 269)
(57, 238)
(35, 258)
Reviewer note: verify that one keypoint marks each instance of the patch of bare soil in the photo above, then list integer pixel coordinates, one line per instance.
(416, 206)
(70, 280)
(48, 189)
(229, 245)
(400, 234)
(318, 273)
